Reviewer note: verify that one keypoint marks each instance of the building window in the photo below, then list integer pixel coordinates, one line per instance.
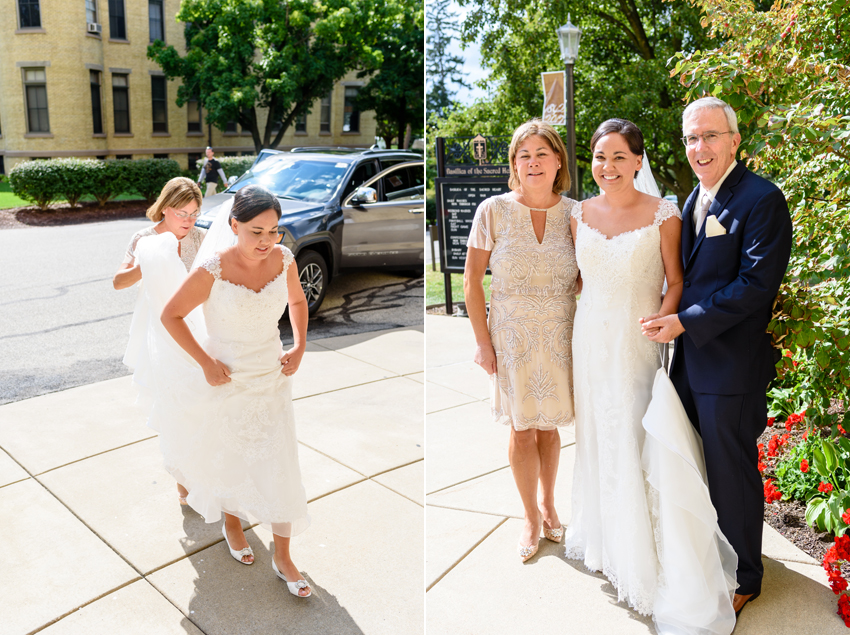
(91, 11)
(117, 24)
(194, 157)
(325, 121)
(155, 21)
(159, 104)
(96, 113)
(160, 156)
(127, 157)
(301, 123)
(35, 88)
(230, 126)
(231, 154)
(193, 115)
(29, 13)
(121, 103)
(350, 116)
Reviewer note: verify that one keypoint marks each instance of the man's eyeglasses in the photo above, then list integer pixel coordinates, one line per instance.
(707, 137)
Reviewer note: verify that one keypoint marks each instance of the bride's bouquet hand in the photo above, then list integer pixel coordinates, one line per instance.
(216, 373)
(485, 356)
(291, 360)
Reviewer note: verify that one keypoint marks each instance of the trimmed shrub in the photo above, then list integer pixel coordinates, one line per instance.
(109, 179)
(39, 182)
(149, 176)
(76, 177)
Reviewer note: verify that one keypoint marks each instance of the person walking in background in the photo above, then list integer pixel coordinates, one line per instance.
(210, 171)
(524, 237)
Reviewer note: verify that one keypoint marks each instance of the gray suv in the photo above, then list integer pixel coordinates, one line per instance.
(343, 208)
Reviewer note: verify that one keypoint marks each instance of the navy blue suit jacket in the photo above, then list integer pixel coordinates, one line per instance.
(730, 283)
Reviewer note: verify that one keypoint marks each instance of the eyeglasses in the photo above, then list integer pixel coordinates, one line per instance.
(708, 137)
(183, 216)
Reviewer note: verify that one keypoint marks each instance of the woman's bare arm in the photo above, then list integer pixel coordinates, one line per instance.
(671, 254)
(477, 261)
(194, 290)
(128, 274)
(298, 316)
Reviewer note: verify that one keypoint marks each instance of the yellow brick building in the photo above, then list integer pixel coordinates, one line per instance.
(64, 63)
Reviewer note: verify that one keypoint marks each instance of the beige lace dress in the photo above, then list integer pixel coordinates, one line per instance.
(532, 303)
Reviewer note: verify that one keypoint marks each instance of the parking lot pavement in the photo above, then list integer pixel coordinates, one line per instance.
(108, 549)
(63, 325)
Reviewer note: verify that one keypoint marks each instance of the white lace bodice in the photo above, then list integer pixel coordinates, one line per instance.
(628, 265)
(236, 313)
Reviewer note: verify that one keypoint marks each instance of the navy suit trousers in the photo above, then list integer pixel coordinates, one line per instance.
(730, 426)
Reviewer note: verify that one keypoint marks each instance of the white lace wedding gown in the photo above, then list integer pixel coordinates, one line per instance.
(641, 512)
(232, 446)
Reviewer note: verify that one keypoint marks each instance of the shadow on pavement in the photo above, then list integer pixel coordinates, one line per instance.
(233, 599)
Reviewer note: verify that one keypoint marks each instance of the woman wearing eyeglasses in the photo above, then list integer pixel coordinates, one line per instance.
(175, 211)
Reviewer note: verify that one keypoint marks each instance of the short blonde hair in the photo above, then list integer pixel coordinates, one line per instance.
(531, 128)
(177, 193)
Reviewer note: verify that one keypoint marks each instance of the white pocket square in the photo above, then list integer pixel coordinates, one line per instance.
(713, 227)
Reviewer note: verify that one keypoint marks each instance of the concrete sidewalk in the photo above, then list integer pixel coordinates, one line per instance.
(96, 542)
(477, 584)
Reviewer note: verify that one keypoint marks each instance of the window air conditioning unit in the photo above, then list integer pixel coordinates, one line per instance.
(93, 27)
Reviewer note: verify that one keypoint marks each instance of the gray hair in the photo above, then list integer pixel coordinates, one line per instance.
(710, 103)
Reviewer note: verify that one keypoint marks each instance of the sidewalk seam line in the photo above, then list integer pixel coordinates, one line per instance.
(472, 478)
(472, 511)
(463, 557)
(92, 601)
(328, 456)
(327, 392)
(85, 458)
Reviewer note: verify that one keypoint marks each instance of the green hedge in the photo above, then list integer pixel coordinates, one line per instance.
(43, 182)
(232, 166)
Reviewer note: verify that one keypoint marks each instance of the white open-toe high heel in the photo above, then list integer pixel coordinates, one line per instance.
(293, 587)
(237, 555)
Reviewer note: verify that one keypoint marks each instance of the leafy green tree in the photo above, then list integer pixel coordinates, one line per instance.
(785, 70)
(282, 56)
(444, 69)
(396, 93)
(620, 72)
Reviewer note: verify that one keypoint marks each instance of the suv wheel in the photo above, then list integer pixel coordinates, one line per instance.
(313, 274)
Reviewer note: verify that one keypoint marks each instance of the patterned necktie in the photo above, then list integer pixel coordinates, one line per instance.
(703, 211)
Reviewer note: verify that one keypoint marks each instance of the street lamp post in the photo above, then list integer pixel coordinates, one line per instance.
(568, 39)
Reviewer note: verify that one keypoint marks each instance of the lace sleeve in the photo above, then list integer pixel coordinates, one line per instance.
(288, 258)
(130, 254)
(482, 236)
(213, 265)
(666, 209)
(576, 211)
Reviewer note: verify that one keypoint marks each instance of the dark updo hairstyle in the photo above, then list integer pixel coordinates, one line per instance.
(625, 128)
(251, 201)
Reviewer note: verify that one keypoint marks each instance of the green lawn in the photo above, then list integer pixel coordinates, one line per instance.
(435, 290)
(8, 198)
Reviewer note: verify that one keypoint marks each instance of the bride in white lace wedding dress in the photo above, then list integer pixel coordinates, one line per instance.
(223, 400)
(653, 535)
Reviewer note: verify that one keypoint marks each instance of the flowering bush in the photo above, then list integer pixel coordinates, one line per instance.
(794, 474)
(835, 556)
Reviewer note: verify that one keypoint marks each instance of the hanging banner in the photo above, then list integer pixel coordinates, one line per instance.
(554, 98)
